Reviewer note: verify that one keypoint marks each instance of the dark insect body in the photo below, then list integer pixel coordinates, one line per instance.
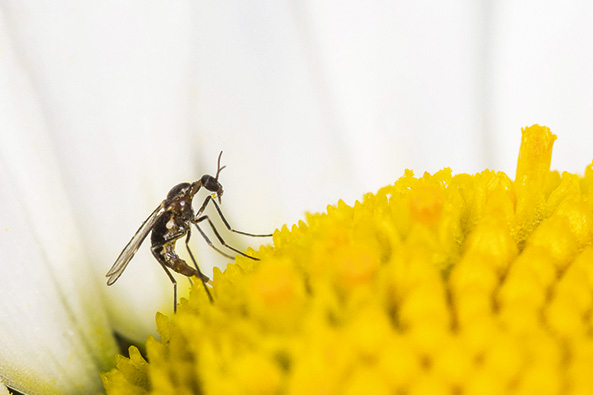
(172, 220)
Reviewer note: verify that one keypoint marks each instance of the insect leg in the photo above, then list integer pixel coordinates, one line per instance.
(219, 237)
(159, 259)
(226, 223)
(203, 277)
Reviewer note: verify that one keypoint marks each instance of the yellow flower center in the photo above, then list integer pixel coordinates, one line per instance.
(469, 284)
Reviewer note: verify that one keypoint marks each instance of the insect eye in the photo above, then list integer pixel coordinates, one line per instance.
(211, 183)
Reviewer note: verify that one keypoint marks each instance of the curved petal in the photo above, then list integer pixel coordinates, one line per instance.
(54, 333)
(112, 78)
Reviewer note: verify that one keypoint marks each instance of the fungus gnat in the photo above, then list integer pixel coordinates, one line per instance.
(172, 220)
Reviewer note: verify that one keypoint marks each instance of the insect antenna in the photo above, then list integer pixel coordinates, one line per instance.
(218, 166)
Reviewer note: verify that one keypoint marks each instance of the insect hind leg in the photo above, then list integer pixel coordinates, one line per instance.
(169, 260)
(220, 239)
(203, 277)
(224, 220)
(160, 260)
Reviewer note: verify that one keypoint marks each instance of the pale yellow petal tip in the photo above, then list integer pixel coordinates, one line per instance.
(130, 376)
(3, 389)
(435, 284)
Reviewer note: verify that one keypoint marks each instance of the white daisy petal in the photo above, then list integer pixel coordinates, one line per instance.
(54, 333)
(113, 81)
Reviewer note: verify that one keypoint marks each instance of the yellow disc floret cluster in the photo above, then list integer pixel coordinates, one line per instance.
(440, 284)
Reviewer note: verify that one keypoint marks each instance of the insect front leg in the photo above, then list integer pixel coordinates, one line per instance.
(220, 239)
(226, 223)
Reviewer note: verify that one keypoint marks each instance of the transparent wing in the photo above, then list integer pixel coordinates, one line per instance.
(130, 249)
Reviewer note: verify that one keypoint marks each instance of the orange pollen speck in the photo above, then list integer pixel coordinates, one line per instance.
(426, 204)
